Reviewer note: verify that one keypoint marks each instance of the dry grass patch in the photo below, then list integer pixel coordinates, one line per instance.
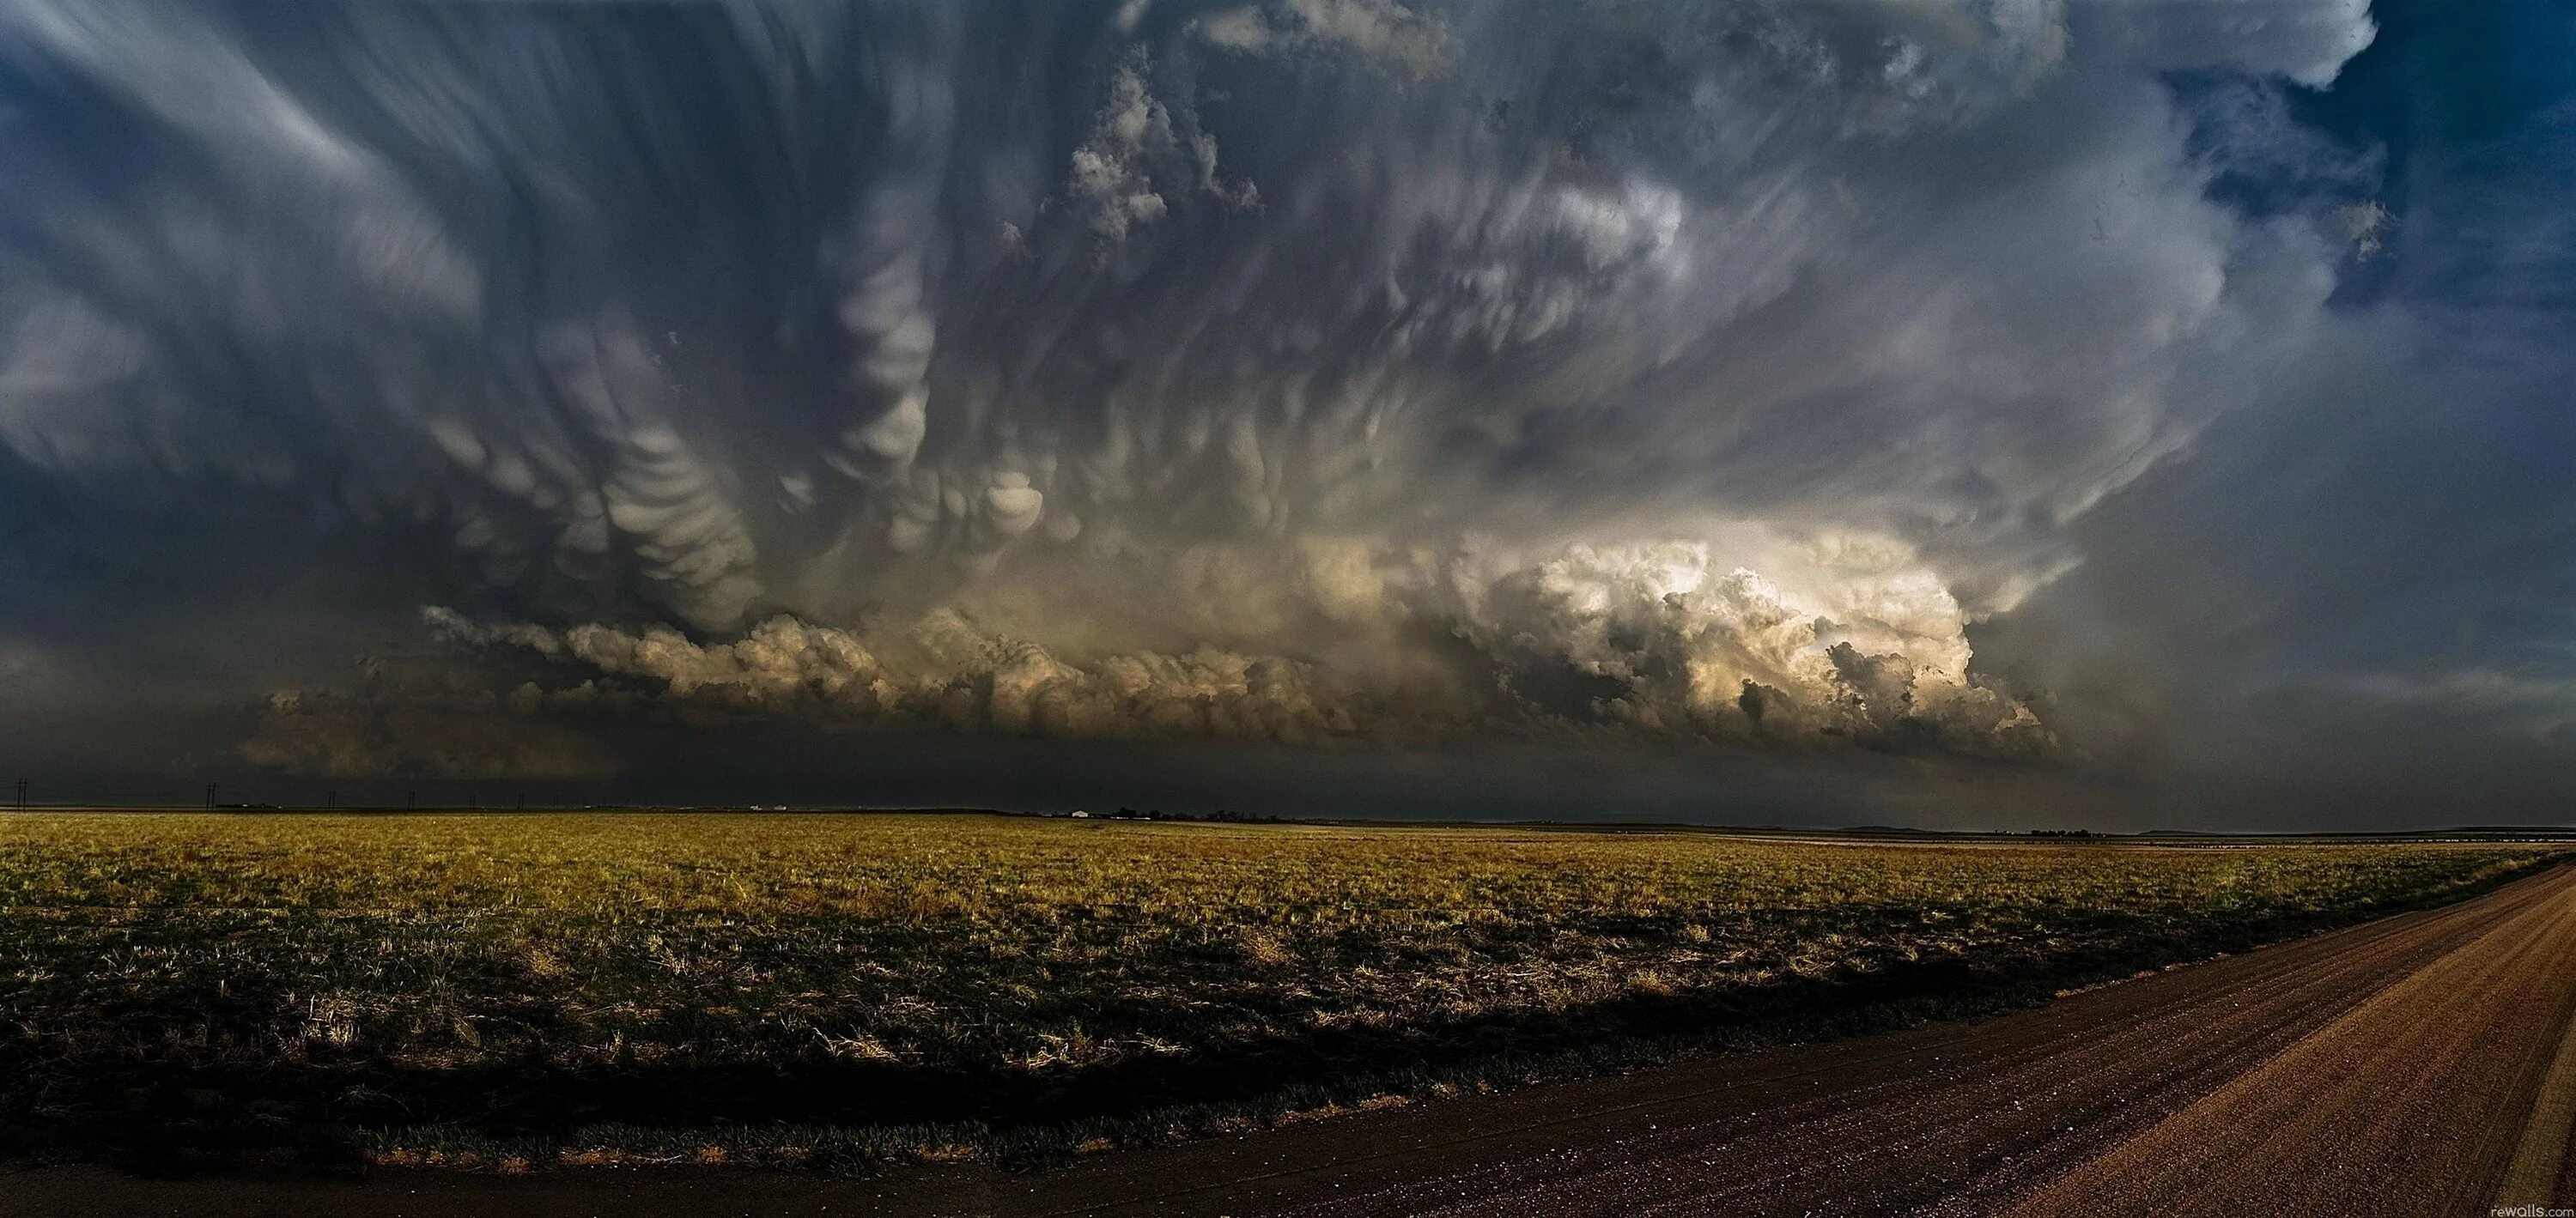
(233, 981)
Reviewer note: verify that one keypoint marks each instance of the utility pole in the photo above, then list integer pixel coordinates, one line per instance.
(411, 799)
(331, 799)
(210, 797)
(22, 794)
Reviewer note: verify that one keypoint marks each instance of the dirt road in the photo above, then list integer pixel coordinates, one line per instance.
(2420, 1065)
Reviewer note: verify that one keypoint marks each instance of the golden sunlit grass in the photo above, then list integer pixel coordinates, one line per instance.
(494, 989)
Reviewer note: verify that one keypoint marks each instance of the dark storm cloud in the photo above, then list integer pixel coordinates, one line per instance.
(2352, 605)
(1301, 373)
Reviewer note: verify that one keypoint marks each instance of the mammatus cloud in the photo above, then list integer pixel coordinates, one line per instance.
(921, 365)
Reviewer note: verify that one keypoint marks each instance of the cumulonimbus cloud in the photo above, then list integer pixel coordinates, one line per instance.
(686, 334)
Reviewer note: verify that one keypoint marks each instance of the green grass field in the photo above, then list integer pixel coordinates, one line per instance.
(504, 990)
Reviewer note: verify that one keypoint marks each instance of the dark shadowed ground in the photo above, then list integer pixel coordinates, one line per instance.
(2422, 1064)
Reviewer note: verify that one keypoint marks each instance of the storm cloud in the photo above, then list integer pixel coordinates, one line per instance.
(1329, 374)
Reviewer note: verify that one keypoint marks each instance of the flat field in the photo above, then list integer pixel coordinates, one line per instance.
(504, 990)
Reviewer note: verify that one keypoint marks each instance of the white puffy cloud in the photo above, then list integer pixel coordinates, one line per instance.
(940, 672)
(1382, 30)
(1656, 641)
(2304, 40)
(1138, 150)
(1667, 640)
